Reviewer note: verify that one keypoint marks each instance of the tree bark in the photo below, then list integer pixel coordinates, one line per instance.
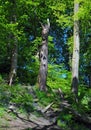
(75, 58)
(43, 56)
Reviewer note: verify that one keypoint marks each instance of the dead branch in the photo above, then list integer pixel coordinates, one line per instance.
(47, 107)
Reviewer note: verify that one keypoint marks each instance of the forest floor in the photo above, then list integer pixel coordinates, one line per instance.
(22, 121)
(9, 122)
(44, 117)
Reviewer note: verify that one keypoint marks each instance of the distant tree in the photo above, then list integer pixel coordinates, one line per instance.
(13, 20)
(43, 56)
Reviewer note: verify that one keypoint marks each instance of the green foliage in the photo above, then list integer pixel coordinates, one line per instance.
(70, 43)
(51, 50)
(45, 98)
(4, 94)
(58, 77)
(65, 120)
(29, 73)
(17, 94)
(84, 11)
(61, 12)
(62, 124)
(2, 112)
(78, 126)
(85, 97)
(22, 97)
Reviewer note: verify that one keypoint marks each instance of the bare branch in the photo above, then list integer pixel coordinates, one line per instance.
(46, 108)
(48, 22)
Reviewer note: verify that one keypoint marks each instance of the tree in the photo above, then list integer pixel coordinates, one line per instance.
(13, 20)
(43, 56)
(13, 70)
(75, 58)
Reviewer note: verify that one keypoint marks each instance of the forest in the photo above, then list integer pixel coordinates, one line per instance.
(45, 64)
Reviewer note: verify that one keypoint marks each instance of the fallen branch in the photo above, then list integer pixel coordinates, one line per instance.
(61, 93)
(46, 108)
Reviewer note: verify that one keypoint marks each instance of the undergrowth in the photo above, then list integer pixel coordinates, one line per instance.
(24, 98)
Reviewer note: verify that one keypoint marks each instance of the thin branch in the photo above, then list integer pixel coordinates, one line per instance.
(48, 22)
(47, 107)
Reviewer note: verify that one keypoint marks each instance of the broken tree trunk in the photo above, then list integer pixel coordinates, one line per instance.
(43, 56)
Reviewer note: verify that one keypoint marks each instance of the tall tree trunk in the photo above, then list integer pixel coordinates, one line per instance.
(75, 58)
(13, 69)
(43, 56)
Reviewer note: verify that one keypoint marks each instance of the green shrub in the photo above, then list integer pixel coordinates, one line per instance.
(58, 77)
(21, 97)
(5, 94)
(16, 94)
(28, 74)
